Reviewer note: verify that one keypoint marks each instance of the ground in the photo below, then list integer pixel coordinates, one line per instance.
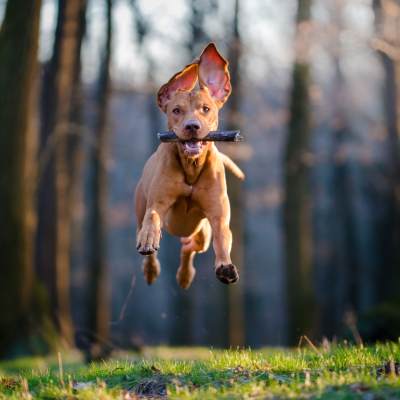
(333, 372)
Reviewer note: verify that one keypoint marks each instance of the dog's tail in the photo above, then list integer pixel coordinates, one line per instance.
(231, 166)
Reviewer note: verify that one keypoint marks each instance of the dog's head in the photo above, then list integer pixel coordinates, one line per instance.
(194, 114)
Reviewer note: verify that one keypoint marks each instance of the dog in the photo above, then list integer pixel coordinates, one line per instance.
(183, 186)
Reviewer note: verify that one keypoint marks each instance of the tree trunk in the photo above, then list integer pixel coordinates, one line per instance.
(53, 260)
(64, 82)
(395, 141)
(53, 240)
(75, 145)
(99, 308)
(46, 230)
(235, 192)
(19, 36)
(343, 284)
(297, 207)
(391, 96)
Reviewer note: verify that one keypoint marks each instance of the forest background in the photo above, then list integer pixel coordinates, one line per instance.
(316, 223)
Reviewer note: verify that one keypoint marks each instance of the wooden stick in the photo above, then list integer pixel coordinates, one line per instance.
(217, 136)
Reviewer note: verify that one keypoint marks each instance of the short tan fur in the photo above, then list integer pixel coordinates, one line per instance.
(183, 186)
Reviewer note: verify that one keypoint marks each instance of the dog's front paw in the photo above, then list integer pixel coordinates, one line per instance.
(148, 240)
(227, 273)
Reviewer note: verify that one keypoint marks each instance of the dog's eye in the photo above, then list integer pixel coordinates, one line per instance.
(176, 110)
(206, 109)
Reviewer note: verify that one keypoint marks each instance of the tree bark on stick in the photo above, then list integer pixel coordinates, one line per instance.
(19, 36)
(99, 308)
(297, 206)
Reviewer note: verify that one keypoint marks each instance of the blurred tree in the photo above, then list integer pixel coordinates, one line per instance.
(142, 30)
(335, 262)
(297, 206)
(53, 241)
(199, 39)
(235, 192)
(75, 147)
(340, 289)
(387, 42)
(99, 301)
(18, 150)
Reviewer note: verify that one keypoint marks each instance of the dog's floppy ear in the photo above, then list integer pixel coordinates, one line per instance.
(214, 74)
(184, 80)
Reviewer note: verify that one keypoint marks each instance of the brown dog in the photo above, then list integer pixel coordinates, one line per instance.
(183, 187)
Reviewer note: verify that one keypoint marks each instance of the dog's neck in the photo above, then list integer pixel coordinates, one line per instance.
(192, 166)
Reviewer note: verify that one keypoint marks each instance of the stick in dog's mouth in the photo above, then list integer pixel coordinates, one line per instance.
(193, 148)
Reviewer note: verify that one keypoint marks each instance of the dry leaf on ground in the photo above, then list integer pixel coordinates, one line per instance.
(8, 383)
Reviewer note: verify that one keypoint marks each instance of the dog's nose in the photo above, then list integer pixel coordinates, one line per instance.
(192, 126)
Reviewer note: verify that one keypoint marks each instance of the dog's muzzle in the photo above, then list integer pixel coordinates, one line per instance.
(192, 149)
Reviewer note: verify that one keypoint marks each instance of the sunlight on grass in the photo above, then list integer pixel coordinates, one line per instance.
(198, 373)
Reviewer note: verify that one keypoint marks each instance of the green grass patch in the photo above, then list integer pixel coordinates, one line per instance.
(338, 372)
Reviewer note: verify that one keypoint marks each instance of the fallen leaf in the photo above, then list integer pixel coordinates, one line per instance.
(239, 368)
(8, 383)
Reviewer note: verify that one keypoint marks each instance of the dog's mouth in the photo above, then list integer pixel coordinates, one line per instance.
(193, 148)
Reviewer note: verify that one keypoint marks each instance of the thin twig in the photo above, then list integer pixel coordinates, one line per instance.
(350, 318)
(61, 369)
(122, 313)
(385, 47)
(309, 341)
(51, 143)
(298, 348)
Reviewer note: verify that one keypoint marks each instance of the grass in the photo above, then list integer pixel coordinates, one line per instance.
(338, 372)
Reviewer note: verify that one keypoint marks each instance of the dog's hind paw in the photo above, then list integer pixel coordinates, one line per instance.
(185, 276)
(227, 274)
(151, 269)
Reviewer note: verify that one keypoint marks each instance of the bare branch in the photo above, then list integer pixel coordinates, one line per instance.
(385, 47)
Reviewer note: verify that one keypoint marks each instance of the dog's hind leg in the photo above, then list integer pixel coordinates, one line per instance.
(151, 268)
(150, 265)
(197, 243)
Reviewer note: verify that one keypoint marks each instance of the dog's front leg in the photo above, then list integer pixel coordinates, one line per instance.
(160, 199)
(219, 218)
(148, 239)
